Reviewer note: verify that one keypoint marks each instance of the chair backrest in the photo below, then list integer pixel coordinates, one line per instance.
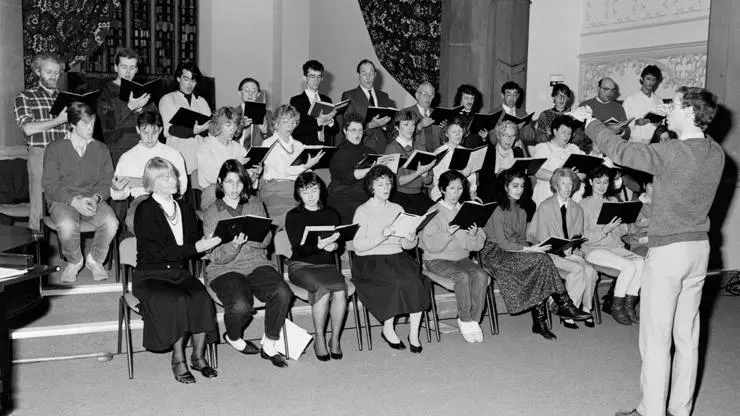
(127, 259)
(282, 244)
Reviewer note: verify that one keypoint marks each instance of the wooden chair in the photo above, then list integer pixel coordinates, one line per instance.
(449, 285)
(128, 302)
(283, 252)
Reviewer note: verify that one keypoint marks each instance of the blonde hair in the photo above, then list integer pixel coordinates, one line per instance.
(285, 112)
(157, 167)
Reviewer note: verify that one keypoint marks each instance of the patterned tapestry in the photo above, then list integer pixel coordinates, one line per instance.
(406, 37)
(74, 29)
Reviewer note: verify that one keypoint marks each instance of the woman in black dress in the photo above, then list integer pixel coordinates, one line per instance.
(174, 304)
(526, 275)
(312, 264)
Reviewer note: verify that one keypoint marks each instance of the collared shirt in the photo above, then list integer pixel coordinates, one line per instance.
(132, 163)
(638, 105)
(313, 96)
(79, 145)
(32, 106)
(424, 112)
(277, 165)
(509, 110)
(370, 93)
(561, 201)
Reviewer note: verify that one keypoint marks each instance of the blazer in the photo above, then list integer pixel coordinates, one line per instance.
(487, 183)
(377, 138)
(547, 220)
(156, 246)
(431, 136)
(307, 131)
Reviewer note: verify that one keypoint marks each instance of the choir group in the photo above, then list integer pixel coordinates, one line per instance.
(303, 168)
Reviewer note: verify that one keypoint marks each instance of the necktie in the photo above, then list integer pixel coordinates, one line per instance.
(565, 225)
(370, 98)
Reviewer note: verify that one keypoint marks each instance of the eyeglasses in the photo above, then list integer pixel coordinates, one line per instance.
(425, 94)
(315, 77)
(608, 89)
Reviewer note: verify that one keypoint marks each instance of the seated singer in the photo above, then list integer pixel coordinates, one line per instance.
(174, 304)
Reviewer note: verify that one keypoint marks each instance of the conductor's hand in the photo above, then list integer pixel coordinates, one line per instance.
(205, 244)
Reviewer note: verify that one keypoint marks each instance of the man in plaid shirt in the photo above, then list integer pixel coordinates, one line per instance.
(32, 108)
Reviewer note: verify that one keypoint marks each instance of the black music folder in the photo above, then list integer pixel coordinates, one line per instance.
(441, 114)
(255, 111)
(65, 98)
(473, 212)
(127, 87)
(627, 211)
(257, 155)
(422, 158)
(320, 107)
(559, 245)
(462, 157)
(654, 117)
(528, 165)
(311, 151)
(254, 227)
(381, 112)
(584, 163)
(185, 117)
(312, 233)
(518, 121)
(485, 122)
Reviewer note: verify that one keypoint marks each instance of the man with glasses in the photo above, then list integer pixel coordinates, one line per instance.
(604, 107)
(118, 117)
(127, 180)
(378, 133)
(644, 101)
(313, 130)
(429, 133)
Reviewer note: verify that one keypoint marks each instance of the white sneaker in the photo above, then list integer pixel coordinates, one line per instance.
(69, 274)
(466, 331)
(97, 269)
(478, 333)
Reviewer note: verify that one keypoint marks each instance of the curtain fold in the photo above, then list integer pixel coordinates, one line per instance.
(406, 37)
(74, 29)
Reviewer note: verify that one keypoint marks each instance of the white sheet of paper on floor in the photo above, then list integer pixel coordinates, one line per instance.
(298, 340)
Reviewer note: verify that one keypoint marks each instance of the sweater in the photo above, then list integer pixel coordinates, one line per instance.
(439, 244)
(373, 217)
(507, 228)
(686, 175)
(296, 220)
(595, 232)
(227, 257)
(67, 174)
(413, 187)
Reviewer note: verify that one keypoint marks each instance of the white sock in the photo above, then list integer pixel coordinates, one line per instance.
(239, 344)
(268, 346)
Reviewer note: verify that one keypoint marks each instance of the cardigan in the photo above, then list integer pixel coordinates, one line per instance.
(373, 217)
(156, 246)
(439, 244)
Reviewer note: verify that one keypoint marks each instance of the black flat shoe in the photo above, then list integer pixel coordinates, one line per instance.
(334, 356)
(186, 377)
(326, 357)
(249, 349)
(568, 325)
(278, 360)
(589, 322)
(207, 371)
(413, 348)
(395, 346)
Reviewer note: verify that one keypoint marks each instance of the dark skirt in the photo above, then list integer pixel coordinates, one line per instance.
(417, 204)
(525, 278)
(173, 304)
(390, 285)
(318, 279)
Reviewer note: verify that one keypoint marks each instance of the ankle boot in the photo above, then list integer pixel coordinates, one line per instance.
(539, 321)
(618, 311)
(566, 308)
(630, 302)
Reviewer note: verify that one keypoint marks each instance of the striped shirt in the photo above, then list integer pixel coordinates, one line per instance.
(33, 105)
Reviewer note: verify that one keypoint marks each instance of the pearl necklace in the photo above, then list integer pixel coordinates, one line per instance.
(171, 218)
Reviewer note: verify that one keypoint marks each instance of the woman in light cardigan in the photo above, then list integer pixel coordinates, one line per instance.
(388, 281)
(447, 252)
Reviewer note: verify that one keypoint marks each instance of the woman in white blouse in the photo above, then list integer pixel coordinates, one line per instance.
(556, 151)
(278, 179)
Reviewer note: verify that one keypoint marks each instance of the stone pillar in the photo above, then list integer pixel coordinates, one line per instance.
(484, 43)
(723, 79)
(11, 71)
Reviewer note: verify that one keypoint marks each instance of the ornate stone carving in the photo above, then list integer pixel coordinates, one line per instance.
(612, 15)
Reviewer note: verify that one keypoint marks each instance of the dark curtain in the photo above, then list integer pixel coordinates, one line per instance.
(73, 29)
(405, 35)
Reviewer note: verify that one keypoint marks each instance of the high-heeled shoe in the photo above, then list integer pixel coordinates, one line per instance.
(416, 349)
(184, 378)
(334, 356)
(326, 357)
(207, 371)
(569, 325)
(589, 322)
(395, 345)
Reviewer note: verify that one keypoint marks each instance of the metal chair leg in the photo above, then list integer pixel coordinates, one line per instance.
(358, 324)
(285, 341)
(215, 355)
(429, 330)
(549, 314)
(492, 313)
(596, 312)
(435, 316)
(129, 344)
(121, 306)
(368, 328)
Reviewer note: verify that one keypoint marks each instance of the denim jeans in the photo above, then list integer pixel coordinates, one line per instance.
(471, 282)
(68, 222)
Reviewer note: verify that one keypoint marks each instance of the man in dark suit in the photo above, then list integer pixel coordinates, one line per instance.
(313, 130)
(426, 131)
(378, 131)
(511, 95)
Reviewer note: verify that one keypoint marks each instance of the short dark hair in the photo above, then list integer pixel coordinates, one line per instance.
(305, 180)
(312, 64)
(148, 118)
(469, 90)
(352, 118)
(659, 132)
(561, 88)
(702, 101)
(511, 85)
(562, 120)
(454, 122)
(451, 175)
(598, 172)
(126, 53)
(404, 115)
(76, 111)
(377, 172)
(651, 70)
(233, 166)
(365, 61)
(504, 178)
(249, 79)
(190, 67)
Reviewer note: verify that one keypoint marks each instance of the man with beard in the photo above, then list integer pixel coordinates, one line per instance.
(643, 102)
(32, 113)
